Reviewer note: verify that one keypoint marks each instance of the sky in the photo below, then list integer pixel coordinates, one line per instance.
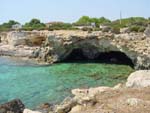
(71, 10)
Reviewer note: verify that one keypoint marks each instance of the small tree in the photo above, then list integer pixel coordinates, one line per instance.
(84, 20)
(8, 25)
(34, 24)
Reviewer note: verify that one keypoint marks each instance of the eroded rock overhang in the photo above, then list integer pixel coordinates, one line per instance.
(57, 47)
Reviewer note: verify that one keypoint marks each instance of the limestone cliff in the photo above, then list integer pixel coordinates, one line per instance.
(53, 46)
(60, 44)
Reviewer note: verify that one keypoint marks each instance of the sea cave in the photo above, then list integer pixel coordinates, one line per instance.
(78, 55)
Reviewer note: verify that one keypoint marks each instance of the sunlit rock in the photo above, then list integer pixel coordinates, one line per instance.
(139, 79)
(30, 111)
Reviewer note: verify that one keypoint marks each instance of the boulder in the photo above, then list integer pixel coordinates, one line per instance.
(14, 106)
(88, 96)
(125, 30)
(134, 101)
(139, 79)
(118, 86)
(137, 101)
(30, 111)
(65, 106)
(45, 108)
(76, 109)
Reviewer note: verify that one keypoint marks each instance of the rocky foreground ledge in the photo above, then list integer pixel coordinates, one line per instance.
(133, 97)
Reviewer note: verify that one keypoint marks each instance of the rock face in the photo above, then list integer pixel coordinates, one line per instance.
(139, 79)
(17, 51)
(147, 31)
(14, 106)
(54, 46)
(21, 43)
(3, 37)
(26, 38)
(59, 45)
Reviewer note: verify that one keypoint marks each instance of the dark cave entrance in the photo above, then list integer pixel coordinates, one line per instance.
(112, 57)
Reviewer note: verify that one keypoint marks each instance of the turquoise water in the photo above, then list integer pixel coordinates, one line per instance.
(35, 85)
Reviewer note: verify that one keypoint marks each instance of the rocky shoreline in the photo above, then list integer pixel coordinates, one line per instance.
(48, 47)
(126, 98)
(54, 46)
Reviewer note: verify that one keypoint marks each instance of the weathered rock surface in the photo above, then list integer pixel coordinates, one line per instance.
(17, 51)
(65, 106)
(136, 102)
(125, 30)
(30, 111)
(14, 106)
(3, 37)
(30, 38)
(82, 98)
(57, 45)
(76, 109)
(139, 78)
(118, 99)
(147, 31)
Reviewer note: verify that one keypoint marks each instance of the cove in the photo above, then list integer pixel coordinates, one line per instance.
(35, 85)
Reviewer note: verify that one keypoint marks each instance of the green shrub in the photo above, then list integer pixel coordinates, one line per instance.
(134, 28)
(87, 29)
(34, 24)
(96, 29)
(141, 29)
(115, 30)
(8, 26)
(106, 29)
(60, 26)
(86, 21)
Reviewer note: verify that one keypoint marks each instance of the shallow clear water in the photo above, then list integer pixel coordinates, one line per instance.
(35, 85)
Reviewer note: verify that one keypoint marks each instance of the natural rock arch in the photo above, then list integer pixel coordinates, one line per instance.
(134, 47)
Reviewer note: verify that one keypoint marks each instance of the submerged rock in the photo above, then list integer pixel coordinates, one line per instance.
(139, 78)
(14, 106)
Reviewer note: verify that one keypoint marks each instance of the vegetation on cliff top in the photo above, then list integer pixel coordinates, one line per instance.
(8, 25)
(34, 24)
(136, 24)
(86, 20)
